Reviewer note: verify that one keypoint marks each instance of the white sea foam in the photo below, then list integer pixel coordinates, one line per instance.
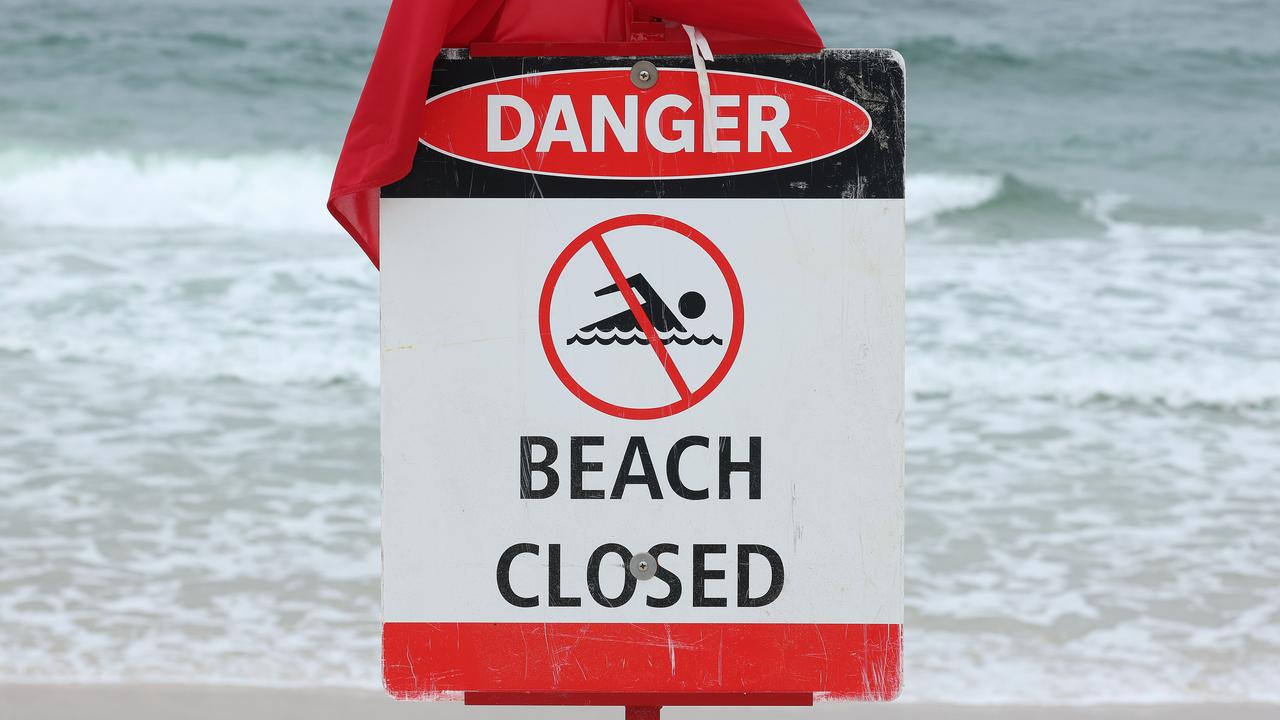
(932, 194)
(1222, 382)
(271, 192)
(1079, 508)
(266, 310)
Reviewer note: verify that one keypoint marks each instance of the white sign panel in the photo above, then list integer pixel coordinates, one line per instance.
(622, 432)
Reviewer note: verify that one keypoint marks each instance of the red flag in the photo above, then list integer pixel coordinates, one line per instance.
(384, 130)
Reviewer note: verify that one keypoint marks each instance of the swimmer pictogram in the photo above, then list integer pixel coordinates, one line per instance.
(693, 341)
(623, 329)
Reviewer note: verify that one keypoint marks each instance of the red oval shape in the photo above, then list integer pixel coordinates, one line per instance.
(596, 124)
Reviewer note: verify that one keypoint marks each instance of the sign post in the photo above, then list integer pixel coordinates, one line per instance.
(642, 383)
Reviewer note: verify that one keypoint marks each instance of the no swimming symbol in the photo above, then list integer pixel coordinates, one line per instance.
(609, 332)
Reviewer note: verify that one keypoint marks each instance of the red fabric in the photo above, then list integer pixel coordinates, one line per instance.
(781, 20)
(558, 21)
(384, 130)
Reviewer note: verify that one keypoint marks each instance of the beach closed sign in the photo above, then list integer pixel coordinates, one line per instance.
(642, 380)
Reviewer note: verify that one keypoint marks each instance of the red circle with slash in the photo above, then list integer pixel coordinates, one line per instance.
(594, 236)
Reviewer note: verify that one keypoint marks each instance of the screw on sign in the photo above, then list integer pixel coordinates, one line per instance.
(611, 362)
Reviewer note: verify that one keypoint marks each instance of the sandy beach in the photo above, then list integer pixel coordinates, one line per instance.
(179, 702)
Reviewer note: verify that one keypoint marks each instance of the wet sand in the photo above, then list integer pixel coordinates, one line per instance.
(178, 702)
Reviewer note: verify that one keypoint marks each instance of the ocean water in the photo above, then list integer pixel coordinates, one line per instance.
(188, 346)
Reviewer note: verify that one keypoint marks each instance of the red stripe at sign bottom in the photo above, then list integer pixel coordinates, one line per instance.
(843, 661)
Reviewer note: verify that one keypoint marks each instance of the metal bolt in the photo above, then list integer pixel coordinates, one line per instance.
(643, 566)
(644, 75)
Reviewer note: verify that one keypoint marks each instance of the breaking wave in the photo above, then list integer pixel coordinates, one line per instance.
(277, 191)
(932, 194)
